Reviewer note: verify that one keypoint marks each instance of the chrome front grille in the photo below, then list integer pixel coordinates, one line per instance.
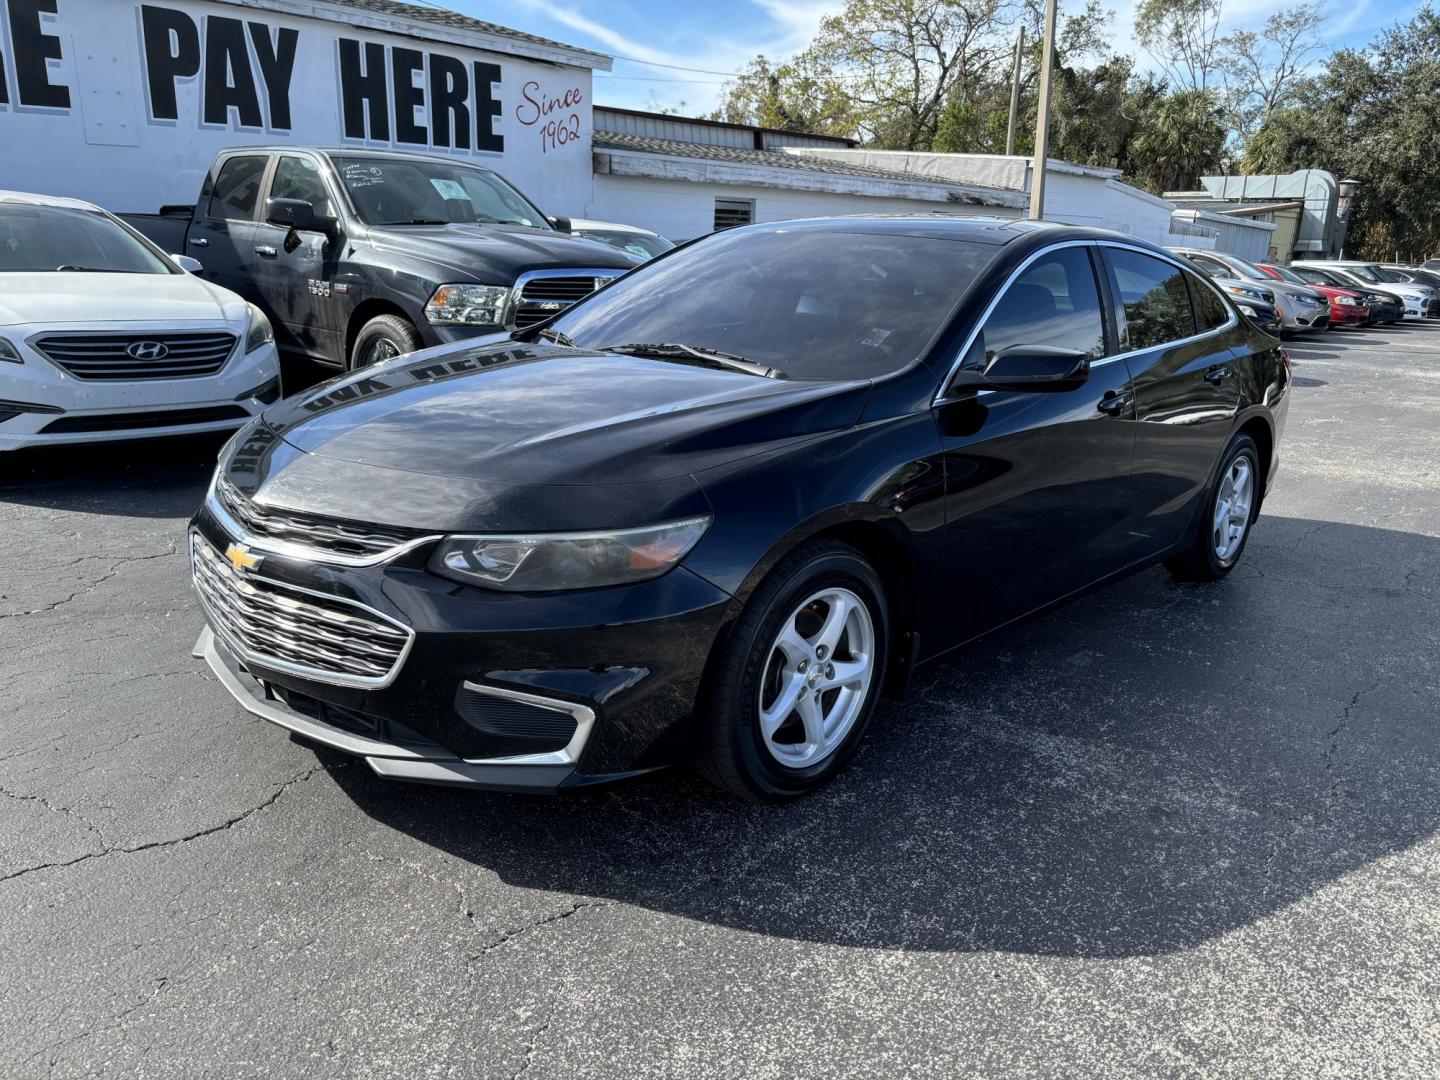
(351, 540)
(543, 293)
(113, 357)
(274, 624)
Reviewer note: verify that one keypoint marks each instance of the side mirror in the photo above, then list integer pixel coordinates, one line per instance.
(560, 224)
(186, 263)
(1034, 368)
(296, 214)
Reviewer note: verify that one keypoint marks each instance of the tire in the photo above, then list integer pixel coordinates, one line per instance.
(382, 338)
(742, 750)
(1215, 553)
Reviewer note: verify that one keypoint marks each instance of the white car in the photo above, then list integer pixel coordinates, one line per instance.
(1419, 300)
(642, 243)
(104, 336)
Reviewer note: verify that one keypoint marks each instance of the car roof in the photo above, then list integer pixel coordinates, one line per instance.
(354, 151)
(996, 231)
(591, 223)
(28, 198)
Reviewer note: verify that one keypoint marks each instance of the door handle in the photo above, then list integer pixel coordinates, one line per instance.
(266, 250)
(1215, 376)
(199, 241)
(1113, 404)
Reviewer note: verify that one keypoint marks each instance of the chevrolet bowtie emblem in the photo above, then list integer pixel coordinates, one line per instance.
(242, 558)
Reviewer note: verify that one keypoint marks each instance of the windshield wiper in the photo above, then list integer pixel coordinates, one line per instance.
(69, 268)
(557, 336)
(420, 221)
(663, 350)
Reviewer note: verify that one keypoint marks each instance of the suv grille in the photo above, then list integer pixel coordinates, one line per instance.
(538, 298)
(101, 357)
(348, 538)
(271, 623)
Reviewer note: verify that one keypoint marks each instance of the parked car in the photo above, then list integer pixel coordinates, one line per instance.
(1256, 302)
(1348, 307)
(1417, 276)
(1302, 308)
(642, 243)
(1385, 307)
(1431, 264)
(104, 336)
(358, 256)
(1417, 300)
(719, 508)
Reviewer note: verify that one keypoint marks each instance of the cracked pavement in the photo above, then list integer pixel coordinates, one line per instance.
(1167, 830)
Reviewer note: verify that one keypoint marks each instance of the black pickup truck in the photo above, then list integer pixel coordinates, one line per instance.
(360, 255)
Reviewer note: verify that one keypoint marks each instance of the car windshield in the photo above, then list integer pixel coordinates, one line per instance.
(1250, 270)
(412, 191)
(35, 239)
(1364, 273)
(1381, 274)
(641, 244)
(810, 303)
(1286, 274)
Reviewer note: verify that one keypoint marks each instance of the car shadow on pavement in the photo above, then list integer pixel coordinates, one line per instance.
(144, 478)
(1139, 772)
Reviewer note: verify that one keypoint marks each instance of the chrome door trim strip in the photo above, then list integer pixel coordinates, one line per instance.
(940, 396)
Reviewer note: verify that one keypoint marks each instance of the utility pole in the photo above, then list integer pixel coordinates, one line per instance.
(1042, 120)
(1015, 94)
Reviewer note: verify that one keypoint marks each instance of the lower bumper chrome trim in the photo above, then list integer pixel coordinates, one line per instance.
(522, 773)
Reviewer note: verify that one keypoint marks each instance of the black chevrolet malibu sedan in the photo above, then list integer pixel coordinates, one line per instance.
(715, 511)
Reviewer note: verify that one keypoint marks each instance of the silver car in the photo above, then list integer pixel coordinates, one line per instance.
(1302, 309)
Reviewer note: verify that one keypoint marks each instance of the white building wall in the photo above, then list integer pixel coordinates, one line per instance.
(682, 210)
(101, 137)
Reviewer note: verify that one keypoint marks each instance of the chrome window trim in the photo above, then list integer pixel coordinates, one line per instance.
(569, 754)
(512, 306)
(288, 549)
(941, 396)
(364, 682)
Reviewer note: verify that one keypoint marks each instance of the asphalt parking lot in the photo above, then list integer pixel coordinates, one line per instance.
(1169, 830)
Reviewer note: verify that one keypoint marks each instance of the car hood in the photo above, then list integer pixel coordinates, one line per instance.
(70, 299)
(1287, 288)
(465, 439)
(498, 253)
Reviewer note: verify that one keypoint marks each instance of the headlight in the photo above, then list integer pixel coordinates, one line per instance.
(1345, 301)
(468, 305)
(1250, 311)
(9, 354)
(549, 562)
(260, 332)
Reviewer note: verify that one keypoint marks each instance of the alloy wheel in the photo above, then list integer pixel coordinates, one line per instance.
(817, 677)
(1232, 508)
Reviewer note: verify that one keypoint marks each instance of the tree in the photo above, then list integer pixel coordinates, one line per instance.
(1181, 138)
(1183, 36)
(1266, 70)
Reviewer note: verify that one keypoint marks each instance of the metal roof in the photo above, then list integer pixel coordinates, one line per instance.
(453, 20)
(614, 140)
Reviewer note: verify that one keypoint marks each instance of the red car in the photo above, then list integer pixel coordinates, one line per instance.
(1347, 307)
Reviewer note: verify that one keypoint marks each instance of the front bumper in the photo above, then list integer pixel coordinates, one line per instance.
(43, 405)
(625, 663)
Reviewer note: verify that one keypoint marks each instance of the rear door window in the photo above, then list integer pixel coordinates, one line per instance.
(237, 188)
(1154, 300)
(1210, 311)
(1055, 302)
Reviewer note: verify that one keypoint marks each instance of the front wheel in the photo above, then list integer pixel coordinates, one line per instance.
(383, 338)
(798, 677)
(1230, 509)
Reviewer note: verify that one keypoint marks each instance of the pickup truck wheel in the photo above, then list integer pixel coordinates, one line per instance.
(383, 338)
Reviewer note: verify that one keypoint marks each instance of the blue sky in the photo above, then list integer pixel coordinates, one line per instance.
(722, 35)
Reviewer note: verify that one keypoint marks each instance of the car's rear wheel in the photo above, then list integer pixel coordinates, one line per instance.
(383, 338)
(1230, 510)
(798, 676)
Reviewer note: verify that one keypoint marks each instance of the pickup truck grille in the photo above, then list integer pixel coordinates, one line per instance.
(322, 535)
(273, 624)
(539, 297)
(112, 357)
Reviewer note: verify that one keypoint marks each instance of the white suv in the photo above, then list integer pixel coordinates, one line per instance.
(104, 336)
